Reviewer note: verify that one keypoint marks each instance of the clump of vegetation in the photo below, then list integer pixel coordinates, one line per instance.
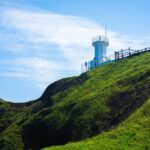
(7, 112)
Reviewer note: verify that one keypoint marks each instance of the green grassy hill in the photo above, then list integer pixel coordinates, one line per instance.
(132, 134)
(7, 112)
(76, 108)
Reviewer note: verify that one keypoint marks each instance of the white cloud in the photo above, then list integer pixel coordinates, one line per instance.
(28, 32)
(38, 70)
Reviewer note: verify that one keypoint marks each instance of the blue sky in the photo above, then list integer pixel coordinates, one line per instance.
(42, 41)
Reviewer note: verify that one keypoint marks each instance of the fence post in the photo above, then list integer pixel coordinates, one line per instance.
(122, 54)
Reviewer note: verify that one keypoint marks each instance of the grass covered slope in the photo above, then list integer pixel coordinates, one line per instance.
(132, 134)
(76, 108)
(7, 112)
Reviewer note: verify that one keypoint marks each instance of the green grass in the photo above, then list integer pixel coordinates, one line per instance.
(76, 108)
(132, 134)
(7, 113)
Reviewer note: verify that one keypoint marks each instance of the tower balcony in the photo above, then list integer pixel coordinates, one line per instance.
(100, 39)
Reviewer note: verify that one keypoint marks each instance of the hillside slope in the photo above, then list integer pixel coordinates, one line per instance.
(76, 108)
(7, 112)
(132, 134)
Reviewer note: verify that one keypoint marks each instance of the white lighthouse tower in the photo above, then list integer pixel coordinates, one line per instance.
(100, 43)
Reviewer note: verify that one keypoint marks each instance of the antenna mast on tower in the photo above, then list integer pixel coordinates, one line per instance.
(105, 30)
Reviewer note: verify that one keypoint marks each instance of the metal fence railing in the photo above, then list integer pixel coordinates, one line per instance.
(129, 52)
